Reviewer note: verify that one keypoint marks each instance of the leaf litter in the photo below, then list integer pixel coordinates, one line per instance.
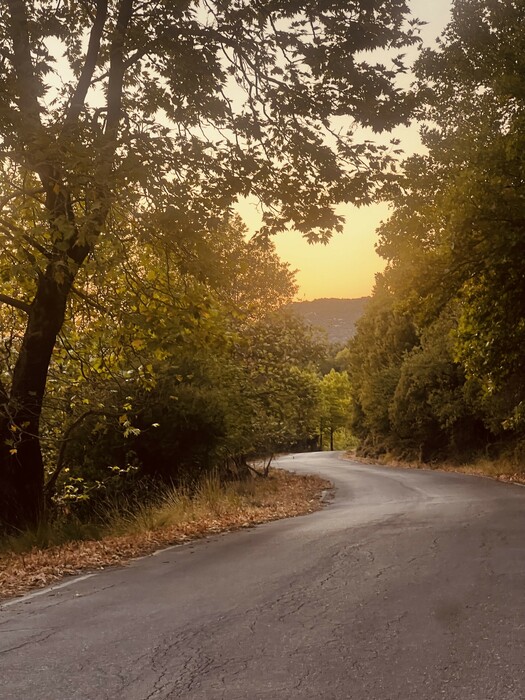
(284, 494)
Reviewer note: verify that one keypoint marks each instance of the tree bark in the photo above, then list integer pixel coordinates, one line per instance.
(22, 500)
(22, 468)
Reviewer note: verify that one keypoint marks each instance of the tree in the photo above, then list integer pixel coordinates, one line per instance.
(158, 381)
(277, 359)
(114, 106)
(335, 404)
(385, 334)
(434, 412)
(474, 86)
(244, 273)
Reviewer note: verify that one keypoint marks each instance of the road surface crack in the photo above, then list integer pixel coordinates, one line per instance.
(34, 640)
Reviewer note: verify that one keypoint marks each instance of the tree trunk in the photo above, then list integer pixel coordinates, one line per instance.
(21, 465)
(331, 439)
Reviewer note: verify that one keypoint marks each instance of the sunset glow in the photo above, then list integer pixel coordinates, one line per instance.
(346, 268)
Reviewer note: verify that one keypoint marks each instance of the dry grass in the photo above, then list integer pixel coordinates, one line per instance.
(175, 518)
(501, 469)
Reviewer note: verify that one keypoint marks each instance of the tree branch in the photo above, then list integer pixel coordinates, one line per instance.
(6, 228)
(20, 192)
(28, 86)
(50, 485)
(15, 303)
(4, 397)
(84, 82)
(89, 300)
(36, 245)
(11, 231)
(150, 46)
(117, 68)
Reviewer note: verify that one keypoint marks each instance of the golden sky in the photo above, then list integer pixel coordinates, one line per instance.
(346, 267)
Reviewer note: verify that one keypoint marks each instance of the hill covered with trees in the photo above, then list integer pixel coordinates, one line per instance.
(335, 316)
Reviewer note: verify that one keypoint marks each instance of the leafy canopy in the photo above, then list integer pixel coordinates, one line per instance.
(200, 102)
(455, 246)
(125, 119)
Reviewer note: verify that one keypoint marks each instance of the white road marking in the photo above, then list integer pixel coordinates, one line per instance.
(43, 591)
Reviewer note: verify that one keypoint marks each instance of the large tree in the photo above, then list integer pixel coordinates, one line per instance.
(335, 403)
(170, 109)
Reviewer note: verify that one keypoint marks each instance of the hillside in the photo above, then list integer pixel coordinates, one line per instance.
(336, 316)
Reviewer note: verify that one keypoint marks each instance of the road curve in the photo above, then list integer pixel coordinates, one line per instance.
(410, 584)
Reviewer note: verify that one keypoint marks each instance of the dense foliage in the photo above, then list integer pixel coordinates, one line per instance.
(172, 370)
(123, 123)
(437, 367)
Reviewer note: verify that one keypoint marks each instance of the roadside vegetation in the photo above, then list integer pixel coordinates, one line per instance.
(43, 556)
(501, 469)
(141, 334)
(437, 367)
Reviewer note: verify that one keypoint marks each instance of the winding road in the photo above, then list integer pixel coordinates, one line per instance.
(409, 584)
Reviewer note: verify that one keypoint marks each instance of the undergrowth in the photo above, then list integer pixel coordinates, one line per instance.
(503, 468)
(167, 507)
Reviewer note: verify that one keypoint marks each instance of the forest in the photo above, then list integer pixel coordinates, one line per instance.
(144, 336)
(437, 366)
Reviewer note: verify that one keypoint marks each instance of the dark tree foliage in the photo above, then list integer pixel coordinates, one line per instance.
(455, 244)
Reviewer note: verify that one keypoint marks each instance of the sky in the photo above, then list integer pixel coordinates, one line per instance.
(346, 267)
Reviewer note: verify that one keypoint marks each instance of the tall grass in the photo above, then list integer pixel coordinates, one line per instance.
(207, 501)
(50, 534)
(211, 499)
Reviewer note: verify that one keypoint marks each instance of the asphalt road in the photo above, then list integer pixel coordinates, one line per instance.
(410, 584)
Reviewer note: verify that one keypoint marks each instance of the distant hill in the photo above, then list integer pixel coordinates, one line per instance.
(336, 316)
